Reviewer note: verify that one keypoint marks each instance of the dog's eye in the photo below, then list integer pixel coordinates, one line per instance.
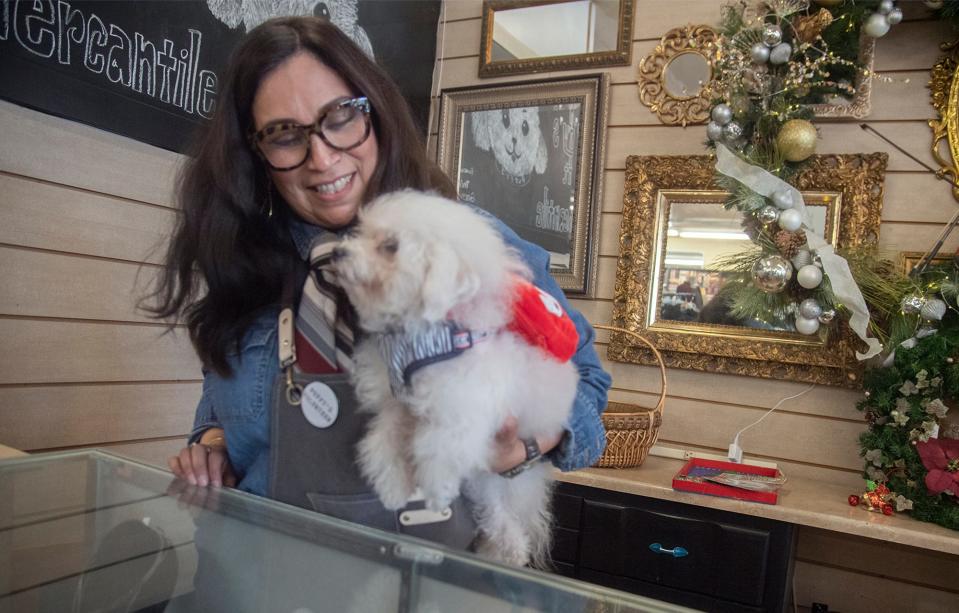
(505, 114)
(525, 128)
(389, 246)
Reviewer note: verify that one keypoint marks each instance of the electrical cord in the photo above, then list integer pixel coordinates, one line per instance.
(735, 451)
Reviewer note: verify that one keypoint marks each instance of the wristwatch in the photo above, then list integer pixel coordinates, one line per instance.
(533, 455)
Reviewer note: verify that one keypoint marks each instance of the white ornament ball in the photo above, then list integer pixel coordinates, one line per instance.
(759, 53)
(806, 325)
(790, 220)
(783, 199)
(768, 214)
(781, 52)
(802, 258)
(886, 6)
(722, 114)
(810, 309)
(714, 131)
(809, 276)
(933, 310)
(876, 26)
(894, 16)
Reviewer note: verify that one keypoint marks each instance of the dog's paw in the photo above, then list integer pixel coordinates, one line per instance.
(438, 498)
(394, 494)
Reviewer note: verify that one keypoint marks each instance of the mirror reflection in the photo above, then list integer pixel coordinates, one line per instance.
(699, 235)
(686, 74)
(564, 28)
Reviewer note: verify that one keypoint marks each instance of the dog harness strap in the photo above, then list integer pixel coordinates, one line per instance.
(405, 353)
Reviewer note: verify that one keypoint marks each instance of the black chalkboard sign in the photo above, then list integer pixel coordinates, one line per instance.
(149, 69)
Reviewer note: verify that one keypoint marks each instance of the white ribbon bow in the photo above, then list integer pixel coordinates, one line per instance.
(835, 266)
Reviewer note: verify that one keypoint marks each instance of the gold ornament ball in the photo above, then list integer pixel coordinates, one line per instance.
(796, 140)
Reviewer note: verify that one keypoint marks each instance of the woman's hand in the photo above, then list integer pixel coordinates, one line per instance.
(205, 462)
(509, 451)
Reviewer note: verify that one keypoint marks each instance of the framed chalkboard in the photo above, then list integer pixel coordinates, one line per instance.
(149, 69)
(532, 154)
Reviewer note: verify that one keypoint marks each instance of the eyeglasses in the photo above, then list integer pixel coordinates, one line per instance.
(343, 124)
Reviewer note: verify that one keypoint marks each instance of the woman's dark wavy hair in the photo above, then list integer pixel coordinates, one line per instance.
(223, 233)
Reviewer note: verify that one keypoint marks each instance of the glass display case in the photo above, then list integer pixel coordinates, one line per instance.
(92, 531)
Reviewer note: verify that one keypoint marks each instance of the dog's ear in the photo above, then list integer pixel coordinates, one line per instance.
(542, 155)
(449, 281)
(480, 123)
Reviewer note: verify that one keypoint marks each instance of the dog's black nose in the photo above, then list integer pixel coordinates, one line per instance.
(337, 253)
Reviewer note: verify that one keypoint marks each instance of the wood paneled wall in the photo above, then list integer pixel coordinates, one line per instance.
(816, 434)
(84, 219)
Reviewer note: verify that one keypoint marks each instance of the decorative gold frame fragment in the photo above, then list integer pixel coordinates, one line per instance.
(855, 182)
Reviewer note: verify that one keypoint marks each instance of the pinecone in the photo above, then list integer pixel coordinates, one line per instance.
(790, 243)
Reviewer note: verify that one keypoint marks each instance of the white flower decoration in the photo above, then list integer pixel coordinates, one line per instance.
(903, 503)
(937, 408)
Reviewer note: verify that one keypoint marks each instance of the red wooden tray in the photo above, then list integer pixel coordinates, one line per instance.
(689, 483)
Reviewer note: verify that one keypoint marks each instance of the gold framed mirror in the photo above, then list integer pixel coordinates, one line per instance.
(674, 78)
(944, 90)
(669, 199)
(526, 36)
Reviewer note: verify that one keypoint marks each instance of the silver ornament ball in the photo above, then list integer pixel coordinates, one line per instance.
(772, 273)
(827, 316)
(759, 53)
(809, 276)
(772, 34)
(810, 309)
(876, 26)
(714, 131)
(780, 53)
(722, 114)
(933, 310)
(790, 220)
(732, 131)
(783, 199)
(806, 325)
(912, 304)
(894, 16)
(886, 6)
(768, 214)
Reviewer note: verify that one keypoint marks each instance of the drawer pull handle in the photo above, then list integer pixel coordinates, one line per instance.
(676, 552)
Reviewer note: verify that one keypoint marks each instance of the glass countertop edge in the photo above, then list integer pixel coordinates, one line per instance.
(418, 547)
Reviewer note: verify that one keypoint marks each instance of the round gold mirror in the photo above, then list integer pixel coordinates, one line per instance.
(686, 75)
(674, 78)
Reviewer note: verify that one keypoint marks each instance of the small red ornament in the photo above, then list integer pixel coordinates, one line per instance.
(887, 509)
(853, 500)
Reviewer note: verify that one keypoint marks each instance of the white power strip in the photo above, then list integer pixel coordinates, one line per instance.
(685, 454)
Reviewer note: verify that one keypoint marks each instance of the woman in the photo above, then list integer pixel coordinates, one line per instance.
(307, 130)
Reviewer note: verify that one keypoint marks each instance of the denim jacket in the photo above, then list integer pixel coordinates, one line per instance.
(240, 404)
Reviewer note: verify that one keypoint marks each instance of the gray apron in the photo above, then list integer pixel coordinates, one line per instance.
(315, 468)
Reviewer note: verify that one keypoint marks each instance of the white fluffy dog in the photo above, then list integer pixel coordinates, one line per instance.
(414, 262)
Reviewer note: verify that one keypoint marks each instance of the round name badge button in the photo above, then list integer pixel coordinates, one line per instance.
(319, 404)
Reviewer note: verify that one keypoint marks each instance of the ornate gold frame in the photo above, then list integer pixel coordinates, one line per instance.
(944, 90)
(622, 56)
(854, 183)
(861, 104)
(671, 109)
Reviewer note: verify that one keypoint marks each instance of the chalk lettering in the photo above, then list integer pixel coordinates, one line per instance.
(167, 64)
(144, 65)
(95, 61)
(206, 100)
(66, 33)
(28, 21)
(118, 63)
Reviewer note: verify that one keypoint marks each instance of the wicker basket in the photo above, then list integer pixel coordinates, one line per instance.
(631, 431)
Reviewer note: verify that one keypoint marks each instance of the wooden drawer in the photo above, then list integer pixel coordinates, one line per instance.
(731, 559)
